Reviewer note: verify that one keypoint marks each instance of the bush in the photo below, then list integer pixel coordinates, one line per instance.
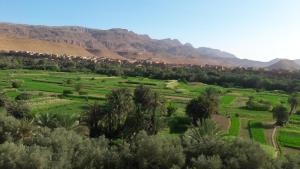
(16, 156)
(83, 92)
(171, 109)
(9, 128)
(258, 105)
(155, 152)
(69, 81)
(17, 109)
(24, 96)
(3, 100)
(67, 92)
(16, 83)
(78, 87)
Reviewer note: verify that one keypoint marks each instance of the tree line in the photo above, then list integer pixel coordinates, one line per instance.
(258, 79)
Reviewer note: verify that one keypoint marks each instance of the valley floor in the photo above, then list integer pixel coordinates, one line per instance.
(233, 118)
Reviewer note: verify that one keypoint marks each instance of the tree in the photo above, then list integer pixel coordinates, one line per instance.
(94, 114)
(147, 105)
(294, 101)
(280, 113)
(202, 107)
(119, 105)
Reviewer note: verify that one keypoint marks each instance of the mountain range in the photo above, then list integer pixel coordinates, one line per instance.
(121, 44)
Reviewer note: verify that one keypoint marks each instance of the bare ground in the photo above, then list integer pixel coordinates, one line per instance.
(222, 121)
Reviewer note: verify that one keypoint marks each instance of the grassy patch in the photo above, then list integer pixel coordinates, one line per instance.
(288, 138)
(234, 129)
(257, 132)
(227, 100)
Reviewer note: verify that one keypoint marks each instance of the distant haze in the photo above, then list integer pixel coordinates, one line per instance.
(252, 29)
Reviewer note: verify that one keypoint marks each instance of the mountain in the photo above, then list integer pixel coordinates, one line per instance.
(41, 47)
(113, 43)
(297, 61)
(284, 64)
(215, 53)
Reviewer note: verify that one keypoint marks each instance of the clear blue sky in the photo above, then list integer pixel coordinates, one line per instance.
(254, 29)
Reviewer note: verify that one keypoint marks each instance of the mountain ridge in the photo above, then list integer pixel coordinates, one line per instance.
(122, 44)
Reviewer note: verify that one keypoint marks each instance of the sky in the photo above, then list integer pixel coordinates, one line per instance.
(253, 29)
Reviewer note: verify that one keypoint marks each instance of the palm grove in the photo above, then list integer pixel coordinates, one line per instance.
(124, 133)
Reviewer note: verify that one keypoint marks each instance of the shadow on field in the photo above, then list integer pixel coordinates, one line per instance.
(179, 125)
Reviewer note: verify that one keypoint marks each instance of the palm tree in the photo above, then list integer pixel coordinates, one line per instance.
(119, 105)
(147, 104)
(46, 120)
(207, 128)
(294, 101)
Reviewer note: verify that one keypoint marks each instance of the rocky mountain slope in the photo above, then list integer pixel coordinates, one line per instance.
(284, 64)
(113, 43)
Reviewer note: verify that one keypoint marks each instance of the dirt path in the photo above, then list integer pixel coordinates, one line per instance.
(178, 98)
(274, 142)
(269, 131)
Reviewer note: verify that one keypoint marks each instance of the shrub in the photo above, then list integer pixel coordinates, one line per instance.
(41, 94)
(67, 92)
(83, 92)
(155, 152)
(16, 156)
(69, 81)
(78, 87)
(17, 109)
(16, 83)
(3, 99)
(24, 96)
(9, 128)
(258, 105)
(171, 109)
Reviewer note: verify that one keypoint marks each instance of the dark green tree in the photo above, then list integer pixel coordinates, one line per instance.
(280, 113)
(119, 105)
(294, 101)
(147, 106)
(204, 106)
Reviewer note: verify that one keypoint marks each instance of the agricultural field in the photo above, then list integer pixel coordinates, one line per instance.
(48, 88)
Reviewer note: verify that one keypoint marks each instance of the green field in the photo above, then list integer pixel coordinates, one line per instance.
(289, 136)
(47, 88)
(257, 132)
(234, 129)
